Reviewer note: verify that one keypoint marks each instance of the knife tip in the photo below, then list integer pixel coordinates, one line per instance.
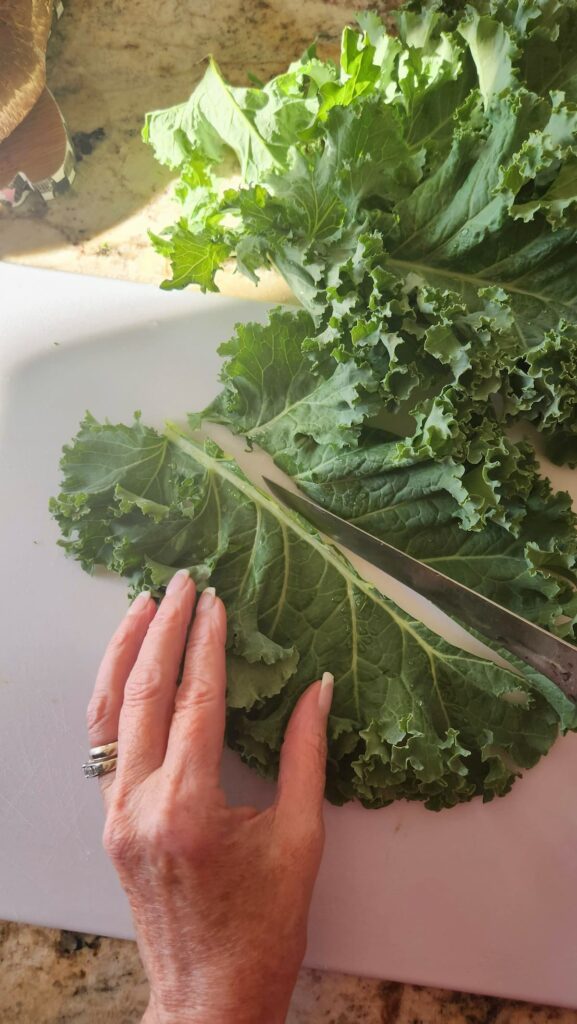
(271, 484)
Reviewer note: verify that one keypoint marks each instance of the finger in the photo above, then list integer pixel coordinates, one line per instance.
(302, 771)
(103, 711)
(151, 686)
(197, 730)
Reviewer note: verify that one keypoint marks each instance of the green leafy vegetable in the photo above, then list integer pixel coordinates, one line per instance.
(420, 198)
(413, 716)
(314, 425)
(422, 207)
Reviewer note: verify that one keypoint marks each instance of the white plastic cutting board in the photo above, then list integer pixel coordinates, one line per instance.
(480, 898)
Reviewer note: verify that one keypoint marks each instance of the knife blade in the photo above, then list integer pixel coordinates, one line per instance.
(548, 654)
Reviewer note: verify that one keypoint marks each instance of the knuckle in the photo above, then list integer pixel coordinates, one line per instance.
(124, 638)
(315, 746)
(146, 681)
(215, 631)
(97, 712)
(311, 745)
(199, 693)
(161, 829)
(118, 840)
(170, 618)
(207, 642)
(170, 832)
(303, 842)
(162, 833)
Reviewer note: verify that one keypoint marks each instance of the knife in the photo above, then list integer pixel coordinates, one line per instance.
(553, 657)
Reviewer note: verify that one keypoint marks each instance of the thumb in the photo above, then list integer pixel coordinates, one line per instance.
(302, 772)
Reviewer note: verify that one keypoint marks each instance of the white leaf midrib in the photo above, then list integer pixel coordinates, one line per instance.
(329, 553)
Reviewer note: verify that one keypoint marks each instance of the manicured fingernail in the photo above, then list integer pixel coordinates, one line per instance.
(178, 581)
(139, 602)
(326, 693)
(207, 598)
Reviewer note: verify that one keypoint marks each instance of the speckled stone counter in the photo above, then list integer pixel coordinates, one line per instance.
(54, 977)
(110, 62)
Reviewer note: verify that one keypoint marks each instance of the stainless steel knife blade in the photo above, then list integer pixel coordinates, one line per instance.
(553, 657)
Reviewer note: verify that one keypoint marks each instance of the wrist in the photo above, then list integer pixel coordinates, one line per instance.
(239, 1015)
(246, 1012)
(237, 992)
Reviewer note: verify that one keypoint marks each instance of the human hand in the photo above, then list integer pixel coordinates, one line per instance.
(219, 895)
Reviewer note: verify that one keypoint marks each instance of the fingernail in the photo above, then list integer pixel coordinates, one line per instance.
(326, 693)
(207, 598)
(139, 602)
(178, 581)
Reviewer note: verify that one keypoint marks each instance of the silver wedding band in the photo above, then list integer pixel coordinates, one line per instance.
(102, 759)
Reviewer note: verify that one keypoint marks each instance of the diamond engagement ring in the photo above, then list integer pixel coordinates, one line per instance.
(92, 769)
(103, 759)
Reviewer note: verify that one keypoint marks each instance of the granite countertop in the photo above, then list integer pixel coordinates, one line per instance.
(60, 977)
(108, 64)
